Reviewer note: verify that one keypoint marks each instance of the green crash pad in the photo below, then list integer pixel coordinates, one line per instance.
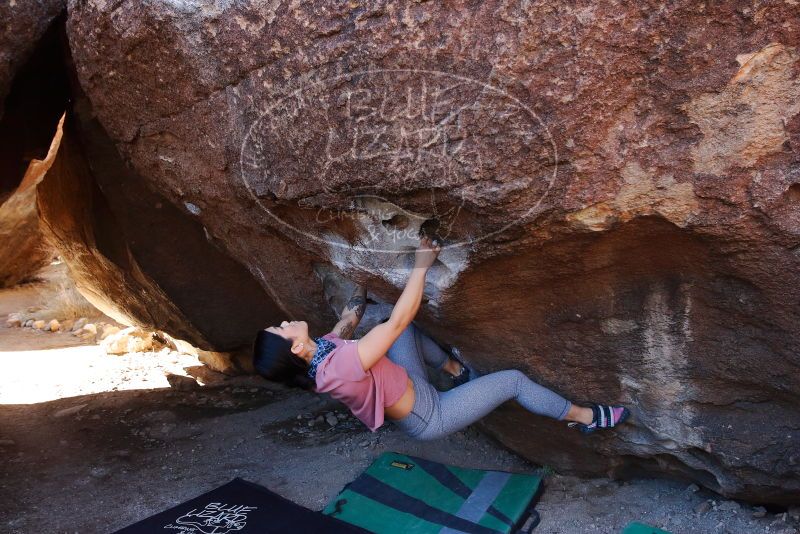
(399, 493)
(640, 528)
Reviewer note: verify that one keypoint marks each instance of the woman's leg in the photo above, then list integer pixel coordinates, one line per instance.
(437, 414)
(465, 404)
(433, 355)
(405, 352)
(414, 349)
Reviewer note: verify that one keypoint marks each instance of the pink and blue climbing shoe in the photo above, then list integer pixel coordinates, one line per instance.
(605, 416)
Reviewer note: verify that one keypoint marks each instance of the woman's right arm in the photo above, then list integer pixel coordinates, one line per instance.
(406, 307)
(377, 341)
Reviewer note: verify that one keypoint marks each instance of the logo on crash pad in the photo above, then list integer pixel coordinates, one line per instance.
(215, 518)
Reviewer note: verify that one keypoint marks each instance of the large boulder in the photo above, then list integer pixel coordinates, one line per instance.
(136, 257)
(618, 186)
(24, 22)
(31, 96)
(30, 105)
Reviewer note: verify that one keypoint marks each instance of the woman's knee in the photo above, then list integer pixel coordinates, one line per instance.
(515, 377)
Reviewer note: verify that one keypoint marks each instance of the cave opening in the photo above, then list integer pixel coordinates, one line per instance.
(37, 98)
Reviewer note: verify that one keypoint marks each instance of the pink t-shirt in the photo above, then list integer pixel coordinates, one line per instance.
(366, 393)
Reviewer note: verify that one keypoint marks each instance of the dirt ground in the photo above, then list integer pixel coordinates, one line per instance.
(92, 443)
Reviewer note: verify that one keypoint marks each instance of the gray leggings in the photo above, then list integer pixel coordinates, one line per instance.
(436, 414)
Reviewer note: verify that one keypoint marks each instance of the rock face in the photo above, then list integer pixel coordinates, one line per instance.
(23, 249)
(135, 257)
(24, 24)
(31, 100)
(618, 187)
(26, 129)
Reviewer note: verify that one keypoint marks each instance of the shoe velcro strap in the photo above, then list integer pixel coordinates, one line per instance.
(607, 415)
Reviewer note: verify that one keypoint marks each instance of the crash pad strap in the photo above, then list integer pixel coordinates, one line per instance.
(374, 489)
(446, 478)
(484, 494)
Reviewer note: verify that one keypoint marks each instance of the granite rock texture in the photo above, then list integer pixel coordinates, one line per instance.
(24, 22)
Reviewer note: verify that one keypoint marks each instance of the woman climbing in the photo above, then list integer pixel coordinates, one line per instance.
(374, 386)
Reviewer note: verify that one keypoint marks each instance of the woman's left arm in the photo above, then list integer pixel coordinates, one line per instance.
(352, 313)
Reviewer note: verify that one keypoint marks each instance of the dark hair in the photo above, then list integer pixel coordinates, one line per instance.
(273, 359)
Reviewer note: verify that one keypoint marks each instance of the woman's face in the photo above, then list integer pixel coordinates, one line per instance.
(292, 330)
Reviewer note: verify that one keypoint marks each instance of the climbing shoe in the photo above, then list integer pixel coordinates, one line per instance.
(467, 371)
(605, 416)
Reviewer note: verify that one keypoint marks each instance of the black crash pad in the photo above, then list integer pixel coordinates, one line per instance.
(240, 507)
